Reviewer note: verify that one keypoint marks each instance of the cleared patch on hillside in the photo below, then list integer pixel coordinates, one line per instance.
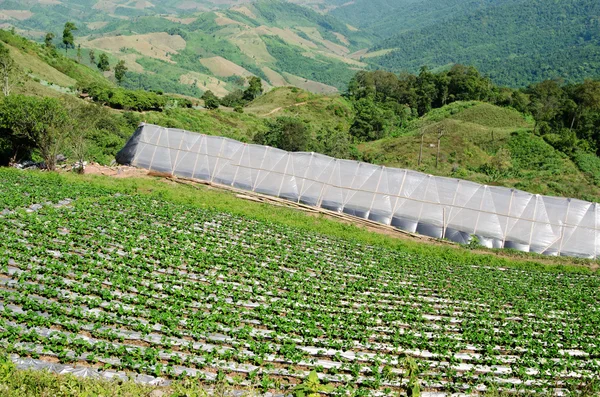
(344, 59)
(379, 53)
(315, 36)
(275, 78)
(342, 38)
(140, 5)
(222, 67)
(309, 85)
(222, 20)
(155, 45)
(250, 43)
(492, 116)
(38, 68)
(279, 98)
(106, 6)
(183, 21)
(358, 54)
(351, 28)
(287, 35)
(244, 11)
(191, 5)
(96, 25)
(205, 83)
(131, 62)
(19, 15)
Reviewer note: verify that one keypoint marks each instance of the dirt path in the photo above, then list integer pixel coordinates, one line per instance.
(284, 107)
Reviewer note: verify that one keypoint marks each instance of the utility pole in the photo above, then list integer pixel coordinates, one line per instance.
(439, 138)
(421, 149)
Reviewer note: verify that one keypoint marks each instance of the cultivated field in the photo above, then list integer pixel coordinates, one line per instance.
(97, 277)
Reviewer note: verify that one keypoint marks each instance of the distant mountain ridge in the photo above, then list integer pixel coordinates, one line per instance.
(319, 44)
(515, 42)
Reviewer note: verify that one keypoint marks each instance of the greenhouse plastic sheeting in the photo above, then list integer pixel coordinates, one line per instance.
(409, 200)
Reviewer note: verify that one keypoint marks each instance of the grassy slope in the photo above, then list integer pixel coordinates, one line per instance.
(35, 61)
(477, 134)
(316, 110)
(465, 150)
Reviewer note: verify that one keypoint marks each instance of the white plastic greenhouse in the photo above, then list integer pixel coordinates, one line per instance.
(409, 200)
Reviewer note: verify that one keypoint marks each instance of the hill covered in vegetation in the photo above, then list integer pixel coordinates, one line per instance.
(192, 52)
(515, 42)
(191, 48)
(542, 139)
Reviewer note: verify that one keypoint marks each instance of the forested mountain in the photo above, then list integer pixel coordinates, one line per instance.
(386, 18)
(515, 42)
(191, 47)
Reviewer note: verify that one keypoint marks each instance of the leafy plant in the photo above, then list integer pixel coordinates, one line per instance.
(311, 387)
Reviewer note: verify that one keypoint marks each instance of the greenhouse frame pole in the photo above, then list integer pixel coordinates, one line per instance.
(533, 222)
(381, 171)
(212, 176)
(421, 201)
(301, 192)
(156, 147)
(287, 163)
(399, 194)
(260, 169)
(198, 154)
(595, 230)
(344, 199)
(237, 166)
(174, 167)
(325, 185)
(562, 230)
(480, 208)
(508, 216)
(447, 221)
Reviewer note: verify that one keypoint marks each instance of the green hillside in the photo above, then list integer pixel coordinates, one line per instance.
(486, 144)
(380, 120)
(387, 18)
(191, 51)
(515, 43)
(317, 45)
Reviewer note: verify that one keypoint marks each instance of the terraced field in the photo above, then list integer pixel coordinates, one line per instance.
(108, 281)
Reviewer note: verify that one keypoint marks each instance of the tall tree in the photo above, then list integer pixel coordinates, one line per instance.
(92, 57)
(48, 40)
(8, 70)
(254, 90)
(79, 53)
(286, 133)
(587, 97)
(38, 123)
(426, 90)
(103, 63)
(547, 99)
(68, 39)
(120, 70)
(210, 100)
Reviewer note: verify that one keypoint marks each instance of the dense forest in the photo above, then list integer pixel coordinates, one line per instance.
(515, 42)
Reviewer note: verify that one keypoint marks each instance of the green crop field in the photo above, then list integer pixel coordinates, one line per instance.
(95, 275)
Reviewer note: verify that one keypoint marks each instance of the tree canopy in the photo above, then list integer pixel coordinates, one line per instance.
(68, 38)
